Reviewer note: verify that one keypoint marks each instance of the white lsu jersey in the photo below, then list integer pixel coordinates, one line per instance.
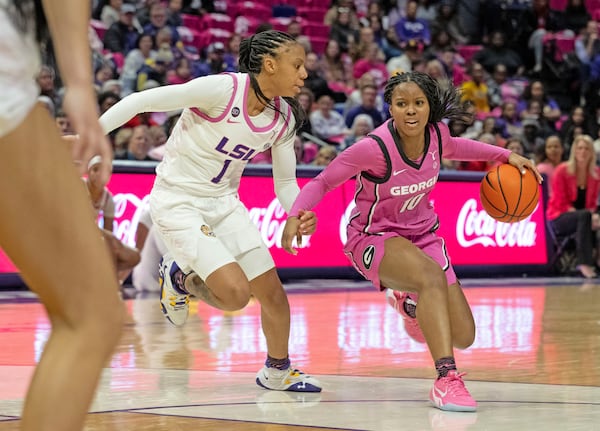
(210, 146)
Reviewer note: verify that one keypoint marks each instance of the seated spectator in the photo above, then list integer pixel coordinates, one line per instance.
(366, 37)
(574, 199)
(587, 49)
(343, 30)
(361, 126)
(536, 90)
(46, 82)
(404, 62)
(174, 19)
(110, 12)
(576, 16)
(158, 21)
(103, 74)
(336, 68)
(453, 64)
(138, 145)
(327, 124)
(495, 52)
(306, 99)
(134, 60)
(541, 22)
(299, 150)
(122, 35)
(577, 119)
(410, 27)
(441, 42)
(232, 51)
(515, 144)
(315, 81)
(509, 122)
(551, 156)
(155, 69)
(63, 123)
(436, 70)
(120, 140)
(354, 99)
(384, 37)
(368, 106)
(449, 21)
(325, 155)
(475, 90)
(371, 61)
(494, 83)
(181, 72)
(532, 136)
(215, 61)
(157, 136)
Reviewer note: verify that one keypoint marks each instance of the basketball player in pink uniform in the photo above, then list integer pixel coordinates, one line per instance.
(391, 232)
(216, 252)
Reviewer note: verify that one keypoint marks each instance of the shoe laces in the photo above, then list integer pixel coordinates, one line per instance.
(455, 384)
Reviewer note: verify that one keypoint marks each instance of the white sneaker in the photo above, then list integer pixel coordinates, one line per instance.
(287, 380)
(173, 303)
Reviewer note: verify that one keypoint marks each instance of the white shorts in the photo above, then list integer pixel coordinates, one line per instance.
(19, 65)
(204, 234)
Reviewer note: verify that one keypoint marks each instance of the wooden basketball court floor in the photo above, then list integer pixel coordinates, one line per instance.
(535, 364)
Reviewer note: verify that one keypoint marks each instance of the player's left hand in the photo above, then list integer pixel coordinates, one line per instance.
(522, 163)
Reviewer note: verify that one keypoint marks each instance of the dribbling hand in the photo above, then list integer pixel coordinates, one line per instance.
(522, 163)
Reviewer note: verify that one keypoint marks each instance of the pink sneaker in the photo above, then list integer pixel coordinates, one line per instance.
(396, 300)
(449, 393)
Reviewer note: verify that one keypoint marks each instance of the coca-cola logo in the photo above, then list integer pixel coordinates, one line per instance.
(270, 222)
(476, 227)
(344, 219)
(128, 209)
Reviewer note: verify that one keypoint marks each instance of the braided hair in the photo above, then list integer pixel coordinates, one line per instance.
(252, 52)
(444, 100)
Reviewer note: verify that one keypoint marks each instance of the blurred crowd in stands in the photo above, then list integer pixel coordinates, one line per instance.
(529, 70)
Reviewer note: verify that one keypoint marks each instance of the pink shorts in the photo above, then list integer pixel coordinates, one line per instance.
(366, 252)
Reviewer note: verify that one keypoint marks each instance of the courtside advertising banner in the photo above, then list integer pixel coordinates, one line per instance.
(472, 237)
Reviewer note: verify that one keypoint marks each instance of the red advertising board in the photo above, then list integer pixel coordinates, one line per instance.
(472, 237)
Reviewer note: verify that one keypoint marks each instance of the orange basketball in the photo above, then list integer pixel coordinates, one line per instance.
(507, 195)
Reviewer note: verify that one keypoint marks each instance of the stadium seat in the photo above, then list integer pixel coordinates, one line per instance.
(468, 51)
(217, 20)
(316, 29)
(191, 21)
(99, 27)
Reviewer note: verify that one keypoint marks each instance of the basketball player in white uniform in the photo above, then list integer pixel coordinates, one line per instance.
(46, 220)
(215, 250)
